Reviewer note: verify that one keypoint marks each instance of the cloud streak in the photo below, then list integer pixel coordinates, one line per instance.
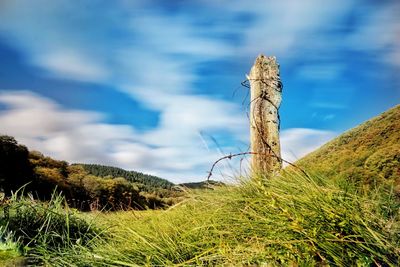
(298, 142)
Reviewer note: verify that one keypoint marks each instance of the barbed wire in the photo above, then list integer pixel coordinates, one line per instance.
(264, 96)
(230, 156)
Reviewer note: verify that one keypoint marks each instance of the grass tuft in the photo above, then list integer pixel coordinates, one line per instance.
(45, 228)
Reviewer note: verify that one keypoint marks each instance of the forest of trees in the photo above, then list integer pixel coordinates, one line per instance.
(149, 182)
(85, 186)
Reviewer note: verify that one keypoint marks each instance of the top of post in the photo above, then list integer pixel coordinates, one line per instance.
(262, 59)
(264, 64)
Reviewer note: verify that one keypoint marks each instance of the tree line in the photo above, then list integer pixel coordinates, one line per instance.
(149, 182)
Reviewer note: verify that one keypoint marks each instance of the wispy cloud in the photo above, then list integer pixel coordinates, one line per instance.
(379, 33)
(298, 142)
(70, 65)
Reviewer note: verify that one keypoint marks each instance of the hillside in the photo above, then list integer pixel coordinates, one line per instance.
(85, 186)
(202, 185)
(150, 182)
(366, 155)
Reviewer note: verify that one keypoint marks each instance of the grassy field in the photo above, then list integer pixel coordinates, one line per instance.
(288, 220)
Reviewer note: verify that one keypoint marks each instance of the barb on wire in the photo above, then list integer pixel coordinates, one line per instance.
(246, 83)
(230, 156)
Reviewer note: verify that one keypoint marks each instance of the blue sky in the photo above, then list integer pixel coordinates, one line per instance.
(154, 86)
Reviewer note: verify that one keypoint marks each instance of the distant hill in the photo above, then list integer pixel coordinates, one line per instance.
(149, 181)
(368, 154)
(202, 185)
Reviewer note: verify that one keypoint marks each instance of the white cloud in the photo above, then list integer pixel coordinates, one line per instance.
(298, 142)
(184, 115)
(177, 34)
(58, 36)
(379, 33)
(70, 65)
(281, 25)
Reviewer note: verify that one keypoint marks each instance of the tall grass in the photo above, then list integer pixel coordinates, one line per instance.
(9, 248)
(287, 220)
(40, 227)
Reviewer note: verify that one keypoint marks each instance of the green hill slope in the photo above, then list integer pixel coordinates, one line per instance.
(366, 155)
(202, 185)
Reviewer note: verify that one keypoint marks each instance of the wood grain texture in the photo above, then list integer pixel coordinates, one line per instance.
(266, 97)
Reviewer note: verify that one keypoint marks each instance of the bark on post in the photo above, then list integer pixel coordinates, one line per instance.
(266, 96)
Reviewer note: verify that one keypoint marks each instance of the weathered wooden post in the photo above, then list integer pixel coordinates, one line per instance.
(266, 96)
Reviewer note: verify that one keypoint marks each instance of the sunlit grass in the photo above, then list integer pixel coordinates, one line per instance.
(290, 219)
(35, 228)
(10, 254)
